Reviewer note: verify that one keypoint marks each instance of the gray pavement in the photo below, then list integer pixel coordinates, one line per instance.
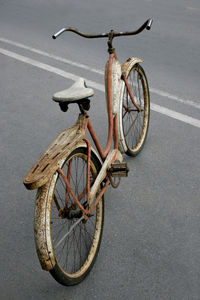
(150, 246)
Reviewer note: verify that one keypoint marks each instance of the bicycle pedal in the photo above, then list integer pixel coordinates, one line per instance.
(118, 170)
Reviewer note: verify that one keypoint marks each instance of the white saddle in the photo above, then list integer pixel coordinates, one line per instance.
(76, 92)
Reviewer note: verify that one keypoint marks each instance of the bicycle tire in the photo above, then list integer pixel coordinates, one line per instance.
(133, 123)
(76, 254)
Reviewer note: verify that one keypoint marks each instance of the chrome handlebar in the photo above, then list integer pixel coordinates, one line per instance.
(147, 25)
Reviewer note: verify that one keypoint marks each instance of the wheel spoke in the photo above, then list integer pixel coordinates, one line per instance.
(131, 126)
(75, 240)
(69, 231)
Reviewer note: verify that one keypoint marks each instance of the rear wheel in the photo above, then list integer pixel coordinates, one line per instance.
(133, 122)
(74, 240)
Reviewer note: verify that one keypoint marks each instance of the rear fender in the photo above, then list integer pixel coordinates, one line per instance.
(49, 161)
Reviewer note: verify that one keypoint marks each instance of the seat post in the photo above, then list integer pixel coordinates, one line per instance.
(84, 105)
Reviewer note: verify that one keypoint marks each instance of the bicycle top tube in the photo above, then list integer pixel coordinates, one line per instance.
(111, 34)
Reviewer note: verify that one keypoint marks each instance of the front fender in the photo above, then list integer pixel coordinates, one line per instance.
(127, 65)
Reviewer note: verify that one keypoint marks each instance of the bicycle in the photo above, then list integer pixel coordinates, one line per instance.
(72, 177)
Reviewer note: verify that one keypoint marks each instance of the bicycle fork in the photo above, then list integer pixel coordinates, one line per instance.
(130, 94)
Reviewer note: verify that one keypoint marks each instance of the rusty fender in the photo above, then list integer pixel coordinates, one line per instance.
(42, 228)
(127, 65)
(61, 147)
(42, 219)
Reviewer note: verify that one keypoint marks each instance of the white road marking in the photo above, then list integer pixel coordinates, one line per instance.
(49, 68)
(97, 71)
(173, 97)
(175, 115)
(58, 58)
(100, 87)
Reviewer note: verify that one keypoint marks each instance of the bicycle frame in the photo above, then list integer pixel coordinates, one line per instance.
(112, 135)
(83, 124)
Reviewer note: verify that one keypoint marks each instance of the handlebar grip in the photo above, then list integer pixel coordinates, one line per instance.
(149, 23)
(55, 35)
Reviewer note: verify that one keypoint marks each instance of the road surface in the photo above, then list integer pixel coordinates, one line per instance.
(150, 246)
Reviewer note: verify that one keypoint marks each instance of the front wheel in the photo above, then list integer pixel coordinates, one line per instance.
(71, 241)
(133, 123)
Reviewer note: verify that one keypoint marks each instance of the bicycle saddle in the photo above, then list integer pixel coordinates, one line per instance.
(75, 94)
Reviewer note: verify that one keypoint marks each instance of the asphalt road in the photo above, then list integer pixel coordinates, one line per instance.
(150, 246)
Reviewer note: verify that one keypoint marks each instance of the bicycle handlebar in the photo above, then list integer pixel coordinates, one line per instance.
(147, 25)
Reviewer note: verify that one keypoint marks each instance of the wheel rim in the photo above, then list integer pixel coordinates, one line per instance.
(135, 123)
(75, 253)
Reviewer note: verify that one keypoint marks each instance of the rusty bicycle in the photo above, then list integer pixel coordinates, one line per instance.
(72, 177)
